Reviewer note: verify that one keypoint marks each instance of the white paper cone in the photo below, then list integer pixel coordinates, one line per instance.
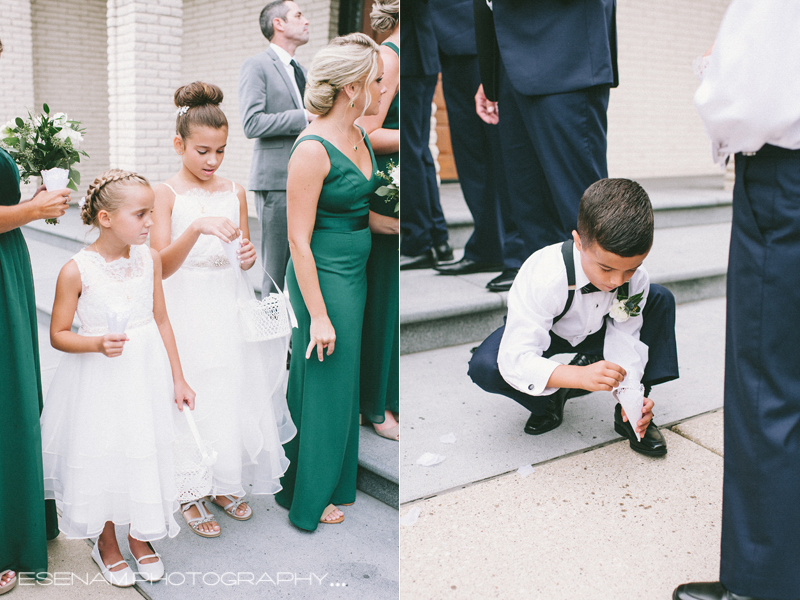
(230, 251)
(632, 400)
(55, 179)
(117, 321)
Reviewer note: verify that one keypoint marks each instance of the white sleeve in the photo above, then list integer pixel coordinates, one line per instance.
(538, 295)
(622, 344)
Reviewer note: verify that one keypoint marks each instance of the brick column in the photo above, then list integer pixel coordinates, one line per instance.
(144, 70)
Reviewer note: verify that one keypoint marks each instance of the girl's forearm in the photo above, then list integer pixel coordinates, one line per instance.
(168, 337)
(385, 141)
(69, 341)
(172, 256)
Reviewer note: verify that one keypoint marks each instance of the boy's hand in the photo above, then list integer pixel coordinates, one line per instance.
(647, 416)
(111, 344)
(602, 376)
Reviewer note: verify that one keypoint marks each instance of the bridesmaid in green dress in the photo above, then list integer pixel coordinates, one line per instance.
(380, 345)
(26, 520)
(331, 176)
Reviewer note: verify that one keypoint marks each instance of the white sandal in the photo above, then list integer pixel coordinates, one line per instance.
(10, 584)
(231, 508)
(122, 578)
(150, 571)
(205, 517)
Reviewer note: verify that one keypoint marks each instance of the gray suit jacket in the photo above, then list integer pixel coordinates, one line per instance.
(270, 113)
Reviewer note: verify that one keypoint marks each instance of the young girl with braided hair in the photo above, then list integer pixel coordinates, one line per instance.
(107, 421)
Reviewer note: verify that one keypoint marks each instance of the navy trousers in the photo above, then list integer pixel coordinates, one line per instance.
(658, 332)
(422, 223)
(761, 494)
(554, 147)
(478, 157)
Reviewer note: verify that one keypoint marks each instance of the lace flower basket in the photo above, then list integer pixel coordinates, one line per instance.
(264, 319)
(193, 459)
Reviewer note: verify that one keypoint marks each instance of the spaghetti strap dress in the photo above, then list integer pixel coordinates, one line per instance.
(26, 520)
(323, 396)
(380, 346)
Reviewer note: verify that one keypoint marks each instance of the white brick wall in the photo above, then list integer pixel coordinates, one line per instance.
(16, 62)
(218, 35)
(144, 66)
(653, 127)
(69, 68)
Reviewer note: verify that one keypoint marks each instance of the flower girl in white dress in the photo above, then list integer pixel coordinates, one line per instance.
(241, 407)
(107, 430)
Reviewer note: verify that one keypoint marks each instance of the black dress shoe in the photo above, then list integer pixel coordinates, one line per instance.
(706, 591)
(502, 283)
(652, 444)
(554, 413)
(466, 266)
(426, 260)
(443, 253)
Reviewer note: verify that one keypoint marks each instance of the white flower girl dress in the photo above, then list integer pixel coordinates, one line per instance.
(107, 431)
(240, 408)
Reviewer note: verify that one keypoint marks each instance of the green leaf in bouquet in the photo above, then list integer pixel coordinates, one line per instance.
(72, 185)
(75, 176)
(19, 122)
(22, 144)
(46, 108)
(382, 191)
(11, 141)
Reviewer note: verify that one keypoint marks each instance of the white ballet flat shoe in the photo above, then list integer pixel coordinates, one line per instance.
(151, 571)
(122, 578)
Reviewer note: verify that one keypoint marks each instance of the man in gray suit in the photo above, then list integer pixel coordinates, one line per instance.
(271, 87)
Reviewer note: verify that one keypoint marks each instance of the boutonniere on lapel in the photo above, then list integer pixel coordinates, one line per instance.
(625, 307)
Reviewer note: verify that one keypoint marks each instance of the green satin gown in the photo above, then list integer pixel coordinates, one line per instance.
(323, 396)
(26, 520)
(380, 349)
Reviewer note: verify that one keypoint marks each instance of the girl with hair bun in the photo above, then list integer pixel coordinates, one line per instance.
(106, 426)
(331, 176)
(380, 351)
(241, 386)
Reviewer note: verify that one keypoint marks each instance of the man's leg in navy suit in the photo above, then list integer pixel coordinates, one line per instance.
(422, 222)
(476, 150)
(532, 208)
(568, 134)
(760, 516)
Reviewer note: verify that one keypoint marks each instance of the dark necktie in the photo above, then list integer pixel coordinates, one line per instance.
(589, 288)
(299, 78)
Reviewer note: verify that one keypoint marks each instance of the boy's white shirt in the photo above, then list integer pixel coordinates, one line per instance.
(538, 295)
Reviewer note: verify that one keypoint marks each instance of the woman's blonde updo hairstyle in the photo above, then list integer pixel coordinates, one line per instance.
(202, 101)
(104, 193)
(347, 59)
(385, 14)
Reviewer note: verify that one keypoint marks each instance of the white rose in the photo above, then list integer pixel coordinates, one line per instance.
(60, 119)
(395, 175)
(70, 134)
(618, 312)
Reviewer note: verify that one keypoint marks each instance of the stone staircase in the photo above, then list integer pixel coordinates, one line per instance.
(52, 246)
(442, 317)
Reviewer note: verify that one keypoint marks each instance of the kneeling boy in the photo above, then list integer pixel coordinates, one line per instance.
(589, 295)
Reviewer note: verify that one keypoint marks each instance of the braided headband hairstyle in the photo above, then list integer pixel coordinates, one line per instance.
(348, 59)
(104, 193)
(198, 106)
(385, 14)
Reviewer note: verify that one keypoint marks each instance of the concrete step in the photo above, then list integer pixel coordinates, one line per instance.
(438, 311)
(489, 440)
(677, 202)
(378, 468)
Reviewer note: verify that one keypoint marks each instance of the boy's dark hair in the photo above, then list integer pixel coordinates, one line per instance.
(617, 214)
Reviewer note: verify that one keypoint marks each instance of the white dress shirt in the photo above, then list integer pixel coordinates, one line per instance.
(750, 91)
(539, 294)
(284, 57)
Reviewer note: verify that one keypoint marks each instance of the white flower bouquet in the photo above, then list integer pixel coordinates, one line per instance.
(390, 191)
(45, 146)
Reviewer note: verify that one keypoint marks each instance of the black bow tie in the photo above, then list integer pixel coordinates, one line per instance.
(299, 78)
(590, 287)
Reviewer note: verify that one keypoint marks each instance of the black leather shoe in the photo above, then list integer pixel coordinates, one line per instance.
(652, 444)
(502, 283)
(426, 260)
(443, 253)
(466, 266)
(554, 413)
(706, 591)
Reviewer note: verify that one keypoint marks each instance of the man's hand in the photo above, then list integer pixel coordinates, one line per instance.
(647, 416)
(486, 109)
(602, 376)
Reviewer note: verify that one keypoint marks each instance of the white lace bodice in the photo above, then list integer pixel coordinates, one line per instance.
(193, 204)
(122, 286)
